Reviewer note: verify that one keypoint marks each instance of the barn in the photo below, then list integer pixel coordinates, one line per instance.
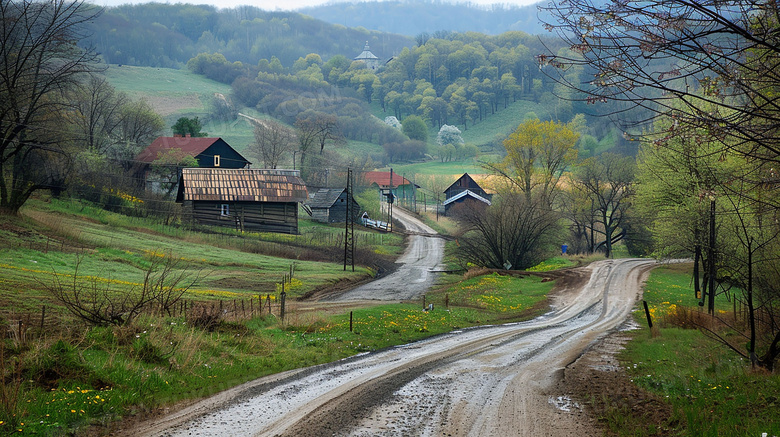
(262, 200)
(465, 189)
(329, 205)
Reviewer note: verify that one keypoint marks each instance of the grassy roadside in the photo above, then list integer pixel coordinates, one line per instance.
(710, 390)
(71, 378)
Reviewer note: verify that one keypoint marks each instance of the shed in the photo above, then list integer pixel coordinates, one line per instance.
(254, 199)
(329, 205)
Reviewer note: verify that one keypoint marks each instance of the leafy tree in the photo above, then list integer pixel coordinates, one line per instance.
(41, 60)
(165, 169)
(538, 153)
(449, 135)
(139, 125)
(414, 127)
(188, 126)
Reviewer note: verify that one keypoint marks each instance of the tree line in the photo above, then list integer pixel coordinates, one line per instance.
(705, 74)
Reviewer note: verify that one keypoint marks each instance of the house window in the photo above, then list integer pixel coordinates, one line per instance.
(225, 210)
(216, 160)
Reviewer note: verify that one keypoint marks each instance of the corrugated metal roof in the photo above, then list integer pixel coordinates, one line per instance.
(466, 193)
(382, 178)
(325, 197)
(243, 185)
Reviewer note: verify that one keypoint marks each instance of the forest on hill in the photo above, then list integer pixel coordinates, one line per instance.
(421, 16)
(167, 35)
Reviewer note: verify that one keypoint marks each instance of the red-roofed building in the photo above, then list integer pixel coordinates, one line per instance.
(382, 179)
(208, 152)
(400, 187)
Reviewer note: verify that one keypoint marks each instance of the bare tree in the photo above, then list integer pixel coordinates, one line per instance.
(515, 229)
(40, 60)
(609, 183)
(96, 302)
(712, 66)
(98, 113)
(273, 143)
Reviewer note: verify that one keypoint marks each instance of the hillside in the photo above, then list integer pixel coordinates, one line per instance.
(415, 17)
(168, 35)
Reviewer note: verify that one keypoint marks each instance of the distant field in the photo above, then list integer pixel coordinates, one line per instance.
(170, 92)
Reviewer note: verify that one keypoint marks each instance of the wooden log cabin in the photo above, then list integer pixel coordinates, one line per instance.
(262, 200)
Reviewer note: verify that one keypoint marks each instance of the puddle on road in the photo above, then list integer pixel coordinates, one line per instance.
(564, 403)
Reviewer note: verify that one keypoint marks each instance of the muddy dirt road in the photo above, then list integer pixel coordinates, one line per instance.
(416, 273)
(489, 381)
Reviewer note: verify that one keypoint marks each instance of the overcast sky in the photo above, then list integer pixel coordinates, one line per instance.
(272, 5)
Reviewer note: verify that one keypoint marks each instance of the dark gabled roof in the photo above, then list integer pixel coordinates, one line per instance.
(463, 194)
(241, 185)
(465, 175)
(325, 197)
(189, 146)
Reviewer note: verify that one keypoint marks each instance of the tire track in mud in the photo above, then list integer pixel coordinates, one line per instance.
(487, 381)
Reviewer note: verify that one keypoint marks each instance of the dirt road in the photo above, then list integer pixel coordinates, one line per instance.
(416, 273)
(490, 381)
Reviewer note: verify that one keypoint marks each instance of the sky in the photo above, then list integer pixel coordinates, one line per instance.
(273, 5)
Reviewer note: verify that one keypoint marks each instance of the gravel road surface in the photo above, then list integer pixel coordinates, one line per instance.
(488, 381)
(418, 264)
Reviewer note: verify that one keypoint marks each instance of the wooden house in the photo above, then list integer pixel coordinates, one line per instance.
(465, 189)
(390, 182)
(464, 183)
(209, 152)
(329, 205)
(252, 199)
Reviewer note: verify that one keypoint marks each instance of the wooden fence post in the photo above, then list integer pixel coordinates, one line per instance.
(350, 321)
(283, 295)
(43, 317)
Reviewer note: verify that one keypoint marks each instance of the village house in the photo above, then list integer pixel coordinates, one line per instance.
(329, 205)
(208, 152)
(465, 189)
(389, 182)
(264, 200)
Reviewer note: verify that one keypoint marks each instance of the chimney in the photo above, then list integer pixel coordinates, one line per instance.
(187, 136)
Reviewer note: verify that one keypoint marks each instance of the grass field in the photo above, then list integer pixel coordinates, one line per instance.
(710, 389)
(68, 377)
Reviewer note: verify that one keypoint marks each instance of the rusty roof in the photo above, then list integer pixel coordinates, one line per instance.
(242, 185)
(189, 146)
(382, 178)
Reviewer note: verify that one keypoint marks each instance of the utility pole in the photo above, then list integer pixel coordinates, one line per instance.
(711, 259)
(390, 201)
(349, 226)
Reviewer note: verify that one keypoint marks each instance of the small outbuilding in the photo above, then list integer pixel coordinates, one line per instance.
(263, 200)
(329, 205)
(463, 190)
(465, 183)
